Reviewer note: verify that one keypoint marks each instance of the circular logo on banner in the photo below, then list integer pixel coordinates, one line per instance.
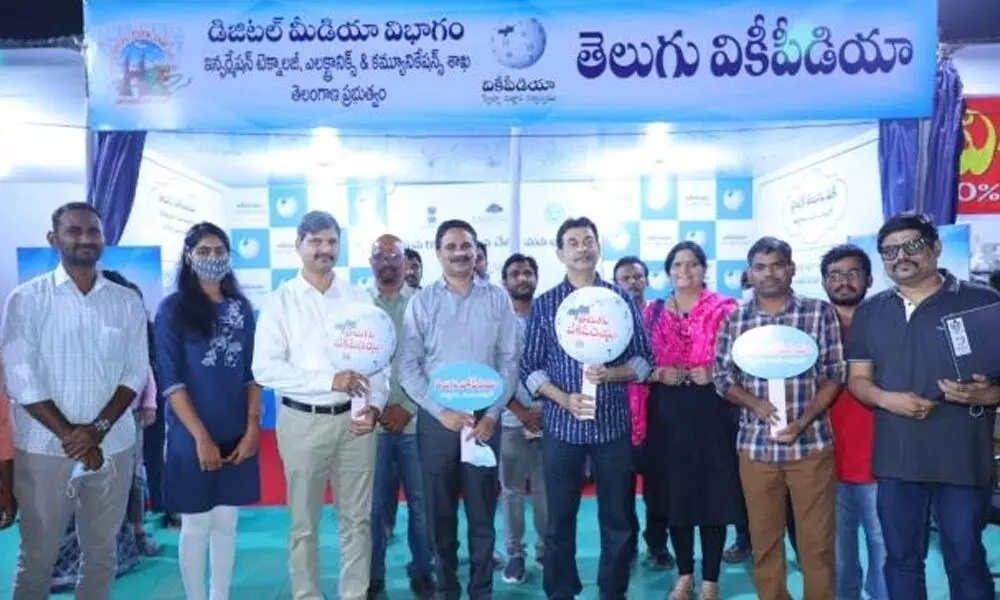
(775, 352)
(362, 338)
(594, 325)
(467, 386)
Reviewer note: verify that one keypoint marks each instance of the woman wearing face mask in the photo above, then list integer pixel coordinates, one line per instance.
(204, 335)
(692, 476)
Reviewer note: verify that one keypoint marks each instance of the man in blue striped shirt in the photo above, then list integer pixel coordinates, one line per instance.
(570, 437)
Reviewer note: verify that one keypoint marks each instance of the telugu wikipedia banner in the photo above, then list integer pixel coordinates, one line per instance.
(227, 65)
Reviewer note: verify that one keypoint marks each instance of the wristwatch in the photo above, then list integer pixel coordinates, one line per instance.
(102, 426)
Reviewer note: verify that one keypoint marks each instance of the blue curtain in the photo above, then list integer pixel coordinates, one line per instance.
(898, 154)
(918, 159)
(940, 197)
(113, 178)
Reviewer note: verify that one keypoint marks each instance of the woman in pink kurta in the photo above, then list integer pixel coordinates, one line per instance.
(692, 477)
(8, 507)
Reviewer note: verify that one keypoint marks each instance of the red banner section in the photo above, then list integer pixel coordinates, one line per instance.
(979, 171)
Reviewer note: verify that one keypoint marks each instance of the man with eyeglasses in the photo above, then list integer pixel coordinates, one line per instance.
(847, 276)
(397, 457)
(933, 435)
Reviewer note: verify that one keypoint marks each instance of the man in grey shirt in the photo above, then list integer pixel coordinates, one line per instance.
(459, 318)
(521, 442)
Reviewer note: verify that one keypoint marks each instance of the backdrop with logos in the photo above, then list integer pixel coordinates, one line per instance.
(644, 217)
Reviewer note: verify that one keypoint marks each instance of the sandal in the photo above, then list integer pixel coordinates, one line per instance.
(709, 591)
(683, 589)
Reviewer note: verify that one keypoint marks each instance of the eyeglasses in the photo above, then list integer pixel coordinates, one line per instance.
(387, 258)
(849, 275)
(909, 248)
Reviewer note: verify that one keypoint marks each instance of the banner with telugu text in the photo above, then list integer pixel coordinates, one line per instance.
(979, 170)
(226, 65)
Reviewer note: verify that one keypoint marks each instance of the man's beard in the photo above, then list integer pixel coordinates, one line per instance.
(523, 296)
(849, 302)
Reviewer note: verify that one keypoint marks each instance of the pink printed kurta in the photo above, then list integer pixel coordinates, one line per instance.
(6, 419)
(684, 342)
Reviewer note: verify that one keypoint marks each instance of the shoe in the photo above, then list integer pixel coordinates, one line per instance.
(423, 586)
(497, 561)
(540, 562)
(735, 555)
(375, 588)
(661, 560)
(170, 521)
(514, 572)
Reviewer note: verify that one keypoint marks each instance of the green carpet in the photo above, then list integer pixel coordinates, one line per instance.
(261, 572)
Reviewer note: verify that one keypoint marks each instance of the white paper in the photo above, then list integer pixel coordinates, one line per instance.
(358, 405)
(776, 396)
(475, 453)
(530, 434)
(588, 388)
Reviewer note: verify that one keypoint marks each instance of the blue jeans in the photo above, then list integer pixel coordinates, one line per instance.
(857, 507)
(565, 469)
(399, 450)
(962, 515)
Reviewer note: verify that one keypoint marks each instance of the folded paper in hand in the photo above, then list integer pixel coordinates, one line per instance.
(476, 453)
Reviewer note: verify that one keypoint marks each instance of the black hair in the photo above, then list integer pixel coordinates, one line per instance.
(482, 246)
(995, 280)
(693, 248)
(629, 260)
(453, 224)
(839, 253)
(907, 221)
(118, 278)
(313, 222)
(574, 223)
(770, 245)
(70, 207)
(745, 280)
(194, 311)
(412, 254)
(517, 257)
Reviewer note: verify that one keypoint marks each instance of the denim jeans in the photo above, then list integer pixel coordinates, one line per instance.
(962, 513)
(857, 508)
(565, 468)
(399, 450)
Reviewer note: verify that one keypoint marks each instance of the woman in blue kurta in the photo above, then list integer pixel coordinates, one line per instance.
(204, 351)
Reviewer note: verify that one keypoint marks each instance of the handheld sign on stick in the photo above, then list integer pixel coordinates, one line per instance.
(467, 387)
(776, 353)
(593, 326)
(361, 338)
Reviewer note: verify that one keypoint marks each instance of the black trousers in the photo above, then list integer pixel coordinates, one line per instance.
(656, 532)
(154, 438)
(446, 479)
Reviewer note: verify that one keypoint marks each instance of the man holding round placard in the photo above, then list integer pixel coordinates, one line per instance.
(584, 342)
(305, 353)
(460, 342)
(780, 358)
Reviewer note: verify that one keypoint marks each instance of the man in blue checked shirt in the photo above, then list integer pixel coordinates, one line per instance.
(569, 440)
(798, 459)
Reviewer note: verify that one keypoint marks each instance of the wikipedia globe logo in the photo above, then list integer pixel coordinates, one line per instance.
(518, 44)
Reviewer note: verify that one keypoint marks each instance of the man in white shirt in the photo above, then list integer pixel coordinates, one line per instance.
(318, 439)
(77, 352)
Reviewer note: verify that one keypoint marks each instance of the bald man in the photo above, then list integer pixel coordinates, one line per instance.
(397, 439)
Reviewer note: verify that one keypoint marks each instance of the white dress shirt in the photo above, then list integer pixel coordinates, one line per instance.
(290, 348)
(74, 350)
